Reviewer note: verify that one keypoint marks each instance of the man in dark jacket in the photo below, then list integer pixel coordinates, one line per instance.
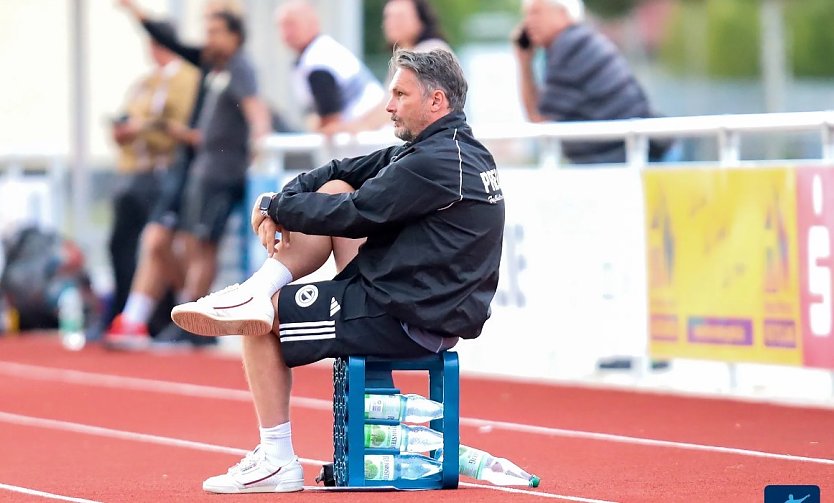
(586, 78)
(432, 213)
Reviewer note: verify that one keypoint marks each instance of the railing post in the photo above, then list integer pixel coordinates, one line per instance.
(729, 147)
(57, 178)
(551, 156)
(637, 150)
(827, 134)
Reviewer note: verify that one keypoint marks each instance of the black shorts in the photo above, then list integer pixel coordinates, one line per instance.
(207, 205)
(331, 319)
(166, 209)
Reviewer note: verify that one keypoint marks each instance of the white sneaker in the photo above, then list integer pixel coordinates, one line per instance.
(231, 311)
(254, 474)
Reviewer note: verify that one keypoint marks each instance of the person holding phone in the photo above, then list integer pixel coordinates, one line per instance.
(229, 119)
(158, 104)
(585, 79)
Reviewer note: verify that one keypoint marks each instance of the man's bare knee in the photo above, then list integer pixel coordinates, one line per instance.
(336, 187)
(156, 240)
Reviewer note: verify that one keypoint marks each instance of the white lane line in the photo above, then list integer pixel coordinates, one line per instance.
(36, 372)
(197, 390)
(54, 424)
(623, 439)
(544, 495)
(43, 494)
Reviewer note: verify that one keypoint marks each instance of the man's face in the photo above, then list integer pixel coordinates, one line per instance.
(221, 43)
(544, 21)
(409, 108)
(293, 29)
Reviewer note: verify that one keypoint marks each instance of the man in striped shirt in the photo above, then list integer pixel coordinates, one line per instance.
(586, 78)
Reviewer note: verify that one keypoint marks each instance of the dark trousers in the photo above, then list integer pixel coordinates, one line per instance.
(132, 205)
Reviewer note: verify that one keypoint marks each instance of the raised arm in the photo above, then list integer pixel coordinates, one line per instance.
(189, 53)
(527, 83)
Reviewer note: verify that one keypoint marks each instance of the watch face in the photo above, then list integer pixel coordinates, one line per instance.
(265, 202)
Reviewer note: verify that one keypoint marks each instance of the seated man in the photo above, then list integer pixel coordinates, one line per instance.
(433, 215)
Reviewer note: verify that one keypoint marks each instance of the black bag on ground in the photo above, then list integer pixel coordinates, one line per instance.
(39, 265)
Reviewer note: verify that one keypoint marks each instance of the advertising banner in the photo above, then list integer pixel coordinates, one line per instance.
(722, 259)
(815, 213)
(572, 282)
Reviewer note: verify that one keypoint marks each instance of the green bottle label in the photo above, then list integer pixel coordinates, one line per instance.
(382, 436)
(382, 407)
(471, 461)
(379, 467)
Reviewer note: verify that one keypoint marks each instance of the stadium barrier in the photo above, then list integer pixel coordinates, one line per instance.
(578, 271)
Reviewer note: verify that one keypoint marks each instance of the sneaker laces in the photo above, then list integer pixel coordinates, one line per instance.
(219, 292)
(249, 460)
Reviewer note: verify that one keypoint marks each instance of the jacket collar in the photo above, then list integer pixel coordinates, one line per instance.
(449, 121)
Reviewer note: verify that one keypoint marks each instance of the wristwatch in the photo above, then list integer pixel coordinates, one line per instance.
(263, 204)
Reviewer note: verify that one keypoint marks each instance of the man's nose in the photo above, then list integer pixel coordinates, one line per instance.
(389, 107)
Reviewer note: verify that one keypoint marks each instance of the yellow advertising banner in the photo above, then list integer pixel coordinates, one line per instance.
(723, 274)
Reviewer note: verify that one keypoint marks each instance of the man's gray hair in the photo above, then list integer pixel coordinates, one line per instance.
(437, 69)
(575, 9)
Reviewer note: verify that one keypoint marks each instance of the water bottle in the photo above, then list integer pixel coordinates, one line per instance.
(410, 408)
(482, 465)
(71, 318)
(403, 437)
(401, 466)
(5, 316)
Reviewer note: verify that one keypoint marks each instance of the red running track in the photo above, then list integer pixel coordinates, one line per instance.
(111, 427)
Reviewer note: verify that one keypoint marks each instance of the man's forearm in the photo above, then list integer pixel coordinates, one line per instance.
(529, 91)
(258, 117)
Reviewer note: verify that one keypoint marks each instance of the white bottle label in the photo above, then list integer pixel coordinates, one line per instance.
(471, 462)
(382, 407)
(379, 467)
(382, 436)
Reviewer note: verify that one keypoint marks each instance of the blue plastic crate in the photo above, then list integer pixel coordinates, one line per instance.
(353, 377)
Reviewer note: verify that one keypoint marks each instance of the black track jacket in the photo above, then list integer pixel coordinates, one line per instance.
(433, 213)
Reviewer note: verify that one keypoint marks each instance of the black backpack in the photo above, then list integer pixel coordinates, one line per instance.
(39, 265)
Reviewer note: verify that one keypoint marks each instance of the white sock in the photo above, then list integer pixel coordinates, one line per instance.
(277, 444)
(271, 277)
(138, 308)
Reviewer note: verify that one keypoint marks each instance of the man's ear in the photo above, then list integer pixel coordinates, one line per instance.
(438, 100)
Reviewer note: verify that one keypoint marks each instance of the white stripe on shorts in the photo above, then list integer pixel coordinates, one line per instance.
(323, 330)
(309, 324)
(308, 337)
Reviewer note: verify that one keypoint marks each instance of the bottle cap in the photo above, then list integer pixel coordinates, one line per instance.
(534, 481)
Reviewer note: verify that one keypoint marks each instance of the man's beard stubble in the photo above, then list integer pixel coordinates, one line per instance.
(404, 133)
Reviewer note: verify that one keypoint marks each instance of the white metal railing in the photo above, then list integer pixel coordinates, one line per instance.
(726, 129)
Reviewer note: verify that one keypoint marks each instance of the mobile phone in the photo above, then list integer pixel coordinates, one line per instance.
(523, 40)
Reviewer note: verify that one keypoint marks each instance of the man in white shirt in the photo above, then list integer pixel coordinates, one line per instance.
(328, 79)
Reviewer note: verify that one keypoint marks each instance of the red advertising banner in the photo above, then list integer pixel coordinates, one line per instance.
(815, 233)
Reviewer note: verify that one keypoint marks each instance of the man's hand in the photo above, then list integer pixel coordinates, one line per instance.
(257, 216)
(266, 234)
(183, 133)
(523, 55)
(126, 132)
(265, 227)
